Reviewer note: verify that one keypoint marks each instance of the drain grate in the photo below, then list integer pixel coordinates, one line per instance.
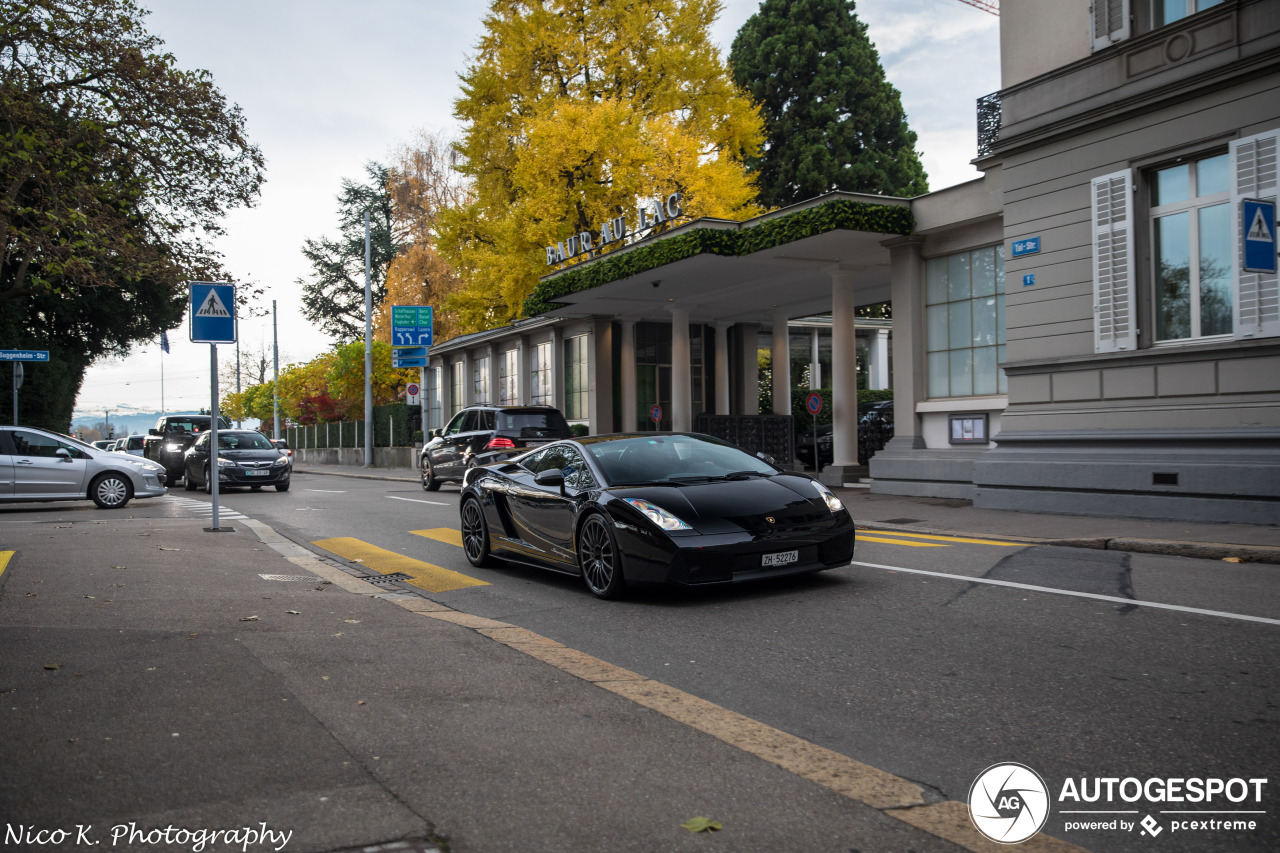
(391, 578)
(307, 578)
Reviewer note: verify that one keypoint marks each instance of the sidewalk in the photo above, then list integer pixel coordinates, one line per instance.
(1248, 542)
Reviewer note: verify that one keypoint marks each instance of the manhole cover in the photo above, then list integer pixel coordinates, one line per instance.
(385, 579)
(900, 521)
(307, 578)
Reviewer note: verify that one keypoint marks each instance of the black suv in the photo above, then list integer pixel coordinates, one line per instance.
(478, 435)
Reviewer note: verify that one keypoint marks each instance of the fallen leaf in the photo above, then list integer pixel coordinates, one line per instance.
(339, 634)
(164, 548)
(53, 666)
(701, 824)
(248, 618)
(1232, 560)
(119, 567)
(361, 702)
(352, 621)
(90, 596)
(294, 612)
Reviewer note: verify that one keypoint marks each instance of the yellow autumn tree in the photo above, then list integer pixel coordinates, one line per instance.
(422, 183)
(576, 112)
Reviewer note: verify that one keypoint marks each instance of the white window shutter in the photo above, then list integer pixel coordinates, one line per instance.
(1253, 176)
(1110, 22)
(1114, 317)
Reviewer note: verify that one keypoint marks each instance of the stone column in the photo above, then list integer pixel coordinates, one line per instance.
(722, 369)
(749, 370)
(844, 372)
(878, 353)
(557, 369)
(627, 374)
(681, 371)
(815, 361)
(781, 364)
(907, 290)
(523, 397)
(468, 380)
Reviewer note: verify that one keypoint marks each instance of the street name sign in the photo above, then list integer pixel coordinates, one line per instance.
(213, 313)
(1026, 246)
(24, 355)
(402, 357)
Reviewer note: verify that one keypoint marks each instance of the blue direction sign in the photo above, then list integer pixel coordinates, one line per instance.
(1259, 218)
(402, 357)
(24, 355)
(213, 313)
(411, 325)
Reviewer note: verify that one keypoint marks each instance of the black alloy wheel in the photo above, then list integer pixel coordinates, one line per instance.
(475, 534)
(429, 481)
(110, 491)
(598, 558)
(282, 487)
(208, 482)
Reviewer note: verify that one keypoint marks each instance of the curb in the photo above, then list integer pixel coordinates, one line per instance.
(1167, 547)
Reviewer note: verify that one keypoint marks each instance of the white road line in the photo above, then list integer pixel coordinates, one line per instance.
(418, 501)
(1115, 598)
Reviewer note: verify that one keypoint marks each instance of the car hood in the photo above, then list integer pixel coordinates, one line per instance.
(246, 455)
(760, 505)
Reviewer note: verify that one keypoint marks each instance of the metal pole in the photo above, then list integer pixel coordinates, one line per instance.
(239, 422)
(17, 383)
(422, 404)
(275, 385)
(213, 429)
(368, 351)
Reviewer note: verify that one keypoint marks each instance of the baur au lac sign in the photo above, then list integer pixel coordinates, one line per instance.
(651, 215)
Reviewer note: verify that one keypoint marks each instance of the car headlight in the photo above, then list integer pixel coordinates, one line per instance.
(833, 503)
(173, 448)
(227, 463)
(658, 515)
(283, 460)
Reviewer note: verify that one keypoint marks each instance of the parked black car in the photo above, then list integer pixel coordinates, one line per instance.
(875, 428)
(245, 458)
(676, 508)
(479, 435)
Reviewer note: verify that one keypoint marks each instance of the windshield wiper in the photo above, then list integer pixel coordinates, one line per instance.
(744, 475)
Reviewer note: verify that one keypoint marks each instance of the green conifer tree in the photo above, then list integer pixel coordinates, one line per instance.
(832, 120)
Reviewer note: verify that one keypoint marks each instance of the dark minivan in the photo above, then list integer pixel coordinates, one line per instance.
(478, 435)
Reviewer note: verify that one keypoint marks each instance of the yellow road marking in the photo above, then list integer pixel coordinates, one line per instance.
(441, 534)
(4, 559)
(901, 542)
(425, 575)
(950, 538)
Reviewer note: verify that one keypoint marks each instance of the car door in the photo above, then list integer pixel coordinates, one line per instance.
(196, 458)
(6, 465)
(40, 473)
(547, 516)
(447, 447)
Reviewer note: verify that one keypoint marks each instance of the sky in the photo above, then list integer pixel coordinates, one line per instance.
(328, 85)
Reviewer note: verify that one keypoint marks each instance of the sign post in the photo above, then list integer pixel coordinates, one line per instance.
(813, 403)
(213, 322)
(17, 356)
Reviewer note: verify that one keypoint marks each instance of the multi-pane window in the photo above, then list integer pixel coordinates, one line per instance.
(576, 393)
(507, 378)
(964, 315)
(1168, 11)
(1191, 249)
(433, 399)
(540, 374)
(480, 380)
(456, 384)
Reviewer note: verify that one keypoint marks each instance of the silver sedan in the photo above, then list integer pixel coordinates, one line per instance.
(39, 465)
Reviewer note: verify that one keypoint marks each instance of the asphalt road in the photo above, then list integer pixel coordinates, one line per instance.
(931, 658)
(931, 677)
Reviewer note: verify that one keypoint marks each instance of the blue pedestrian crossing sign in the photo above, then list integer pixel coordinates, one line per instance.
(213, 313)
(1259, 220)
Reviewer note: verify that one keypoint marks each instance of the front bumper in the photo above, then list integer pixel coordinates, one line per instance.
(253, 476)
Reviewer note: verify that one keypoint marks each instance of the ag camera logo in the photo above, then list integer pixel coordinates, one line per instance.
(1008, 803)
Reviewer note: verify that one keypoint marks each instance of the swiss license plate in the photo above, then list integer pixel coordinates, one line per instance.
(782, 558)
(262, 472)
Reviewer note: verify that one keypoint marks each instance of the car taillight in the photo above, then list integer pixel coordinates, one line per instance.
(498, 443)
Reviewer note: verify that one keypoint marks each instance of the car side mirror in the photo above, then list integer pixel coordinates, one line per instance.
(153, 431)
(550, 477)
(436, 433)
(63, 453)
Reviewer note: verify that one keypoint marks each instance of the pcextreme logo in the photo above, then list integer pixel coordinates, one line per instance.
(1008, 803)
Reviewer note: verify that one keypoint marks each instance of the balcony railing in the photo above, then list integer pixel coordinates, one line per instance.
(988, 123)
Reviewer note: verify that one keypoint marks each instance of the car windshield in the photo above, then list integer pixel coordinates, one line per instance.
(532, 424)
(243, 441)
(675, 459)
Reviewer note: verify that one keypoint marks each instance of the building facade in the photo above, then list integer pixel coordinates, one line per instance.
(1075, 331)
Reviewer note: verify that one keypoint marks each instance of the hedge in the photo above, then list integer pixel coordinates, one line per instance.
(841, 214)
